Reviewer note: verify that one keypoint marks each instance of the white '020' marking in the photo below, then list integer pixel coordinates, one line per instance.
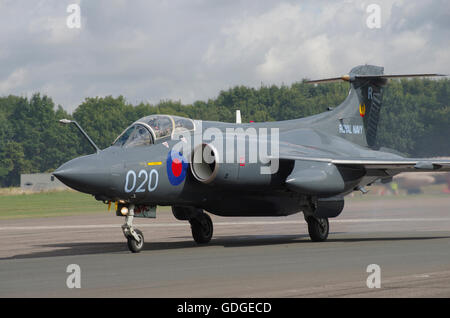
(131, 179)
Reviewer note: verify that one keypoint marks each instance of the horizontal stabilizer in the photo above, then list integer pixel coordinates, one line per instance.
(330, 80)
(350, 78)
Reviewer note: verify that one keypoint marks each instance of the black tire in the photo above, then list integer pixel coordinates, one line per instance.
(202, 228)
(133, 245)
(318, 229)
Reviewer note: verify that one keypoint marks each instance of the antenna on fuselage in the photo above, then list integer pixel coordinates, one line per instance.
(238, 117)
(67, 122)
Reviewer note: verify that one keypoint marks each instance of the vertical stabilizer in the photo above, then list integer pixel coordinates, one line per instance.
(356, 118)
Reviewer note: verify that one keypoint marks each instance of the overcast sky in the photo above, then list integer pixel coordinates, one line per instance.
(190, 50)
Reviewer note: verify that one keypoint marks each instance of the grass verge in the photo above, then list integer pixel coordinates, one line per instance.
(48, 204)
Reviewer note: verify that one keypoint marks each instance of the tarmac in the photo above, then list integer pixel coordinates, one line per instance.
(408, 237)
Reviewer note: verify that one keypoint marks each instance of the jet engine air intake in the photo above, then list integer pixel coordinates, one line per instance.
(205, 163)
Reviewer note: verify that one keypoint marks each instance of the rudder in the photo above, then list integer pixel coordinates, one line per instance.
(370, 97)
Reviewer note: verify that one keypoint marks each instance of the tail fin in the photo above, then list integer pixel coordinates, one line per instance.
(369, 92)
(356, 118)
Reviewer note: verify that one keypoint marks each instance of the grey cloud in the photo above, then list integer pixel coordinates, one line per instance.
(189, 50)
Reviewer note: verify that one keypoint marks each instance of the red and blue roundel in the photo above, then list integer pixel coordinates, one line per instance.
(176, 167)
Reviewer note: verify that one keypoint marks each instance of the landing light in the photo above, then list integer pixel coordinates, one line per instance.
(124, 210)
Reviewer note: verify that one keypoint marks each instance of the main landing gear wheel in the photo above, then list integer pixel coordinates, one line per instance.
(133, 245)
(318, 228)
(202, 228)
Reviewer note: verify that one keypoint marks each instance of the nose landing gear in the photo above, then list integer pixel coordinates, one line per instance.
(135, 238)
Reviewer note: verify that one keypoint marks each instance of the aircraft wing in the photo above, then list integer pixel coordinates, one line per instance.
(393, 166)
(406, 164)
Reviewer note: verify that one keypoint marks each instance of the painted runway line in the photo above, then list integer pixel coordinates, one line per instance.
(159, 225)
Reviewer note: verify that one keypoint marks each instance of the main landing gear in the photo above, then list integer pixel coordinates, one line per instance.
(201, 224)
(202, 228)
(318, 228)
(317, 213)
(135, 238)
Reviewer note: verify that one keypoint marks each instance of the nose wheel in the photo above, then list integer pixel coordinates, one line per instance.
(134, 245)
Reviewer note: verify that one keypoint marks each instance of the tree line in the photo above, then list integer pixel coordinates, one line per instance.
(415, 119)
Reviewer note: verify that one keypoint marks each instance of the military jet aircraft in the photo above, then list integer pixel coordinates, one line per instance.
(313, 164)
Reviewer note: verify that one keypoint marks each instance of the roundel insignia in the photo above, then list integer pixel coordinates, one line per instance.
(176, 167)
(362, 109)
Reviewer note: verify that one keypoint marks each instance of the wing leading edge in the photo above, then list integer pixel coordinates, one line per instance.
(397, 166)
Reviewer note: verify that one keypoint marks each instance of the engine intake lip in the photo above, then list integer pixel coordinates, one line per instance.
(204, 171)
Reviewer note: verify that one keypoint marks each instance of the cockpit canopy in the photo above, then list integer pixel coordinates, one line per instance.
(151, 129)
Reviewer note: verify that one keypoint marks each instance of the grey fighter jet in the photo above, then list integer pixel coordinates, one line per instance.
(196, 166)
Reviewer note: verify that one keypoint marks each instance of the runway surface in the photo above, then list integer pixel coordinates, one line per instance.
(409, 238)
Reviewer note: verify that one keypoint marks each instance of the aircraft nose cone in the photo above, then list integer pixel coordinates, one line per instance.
(85, 174)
